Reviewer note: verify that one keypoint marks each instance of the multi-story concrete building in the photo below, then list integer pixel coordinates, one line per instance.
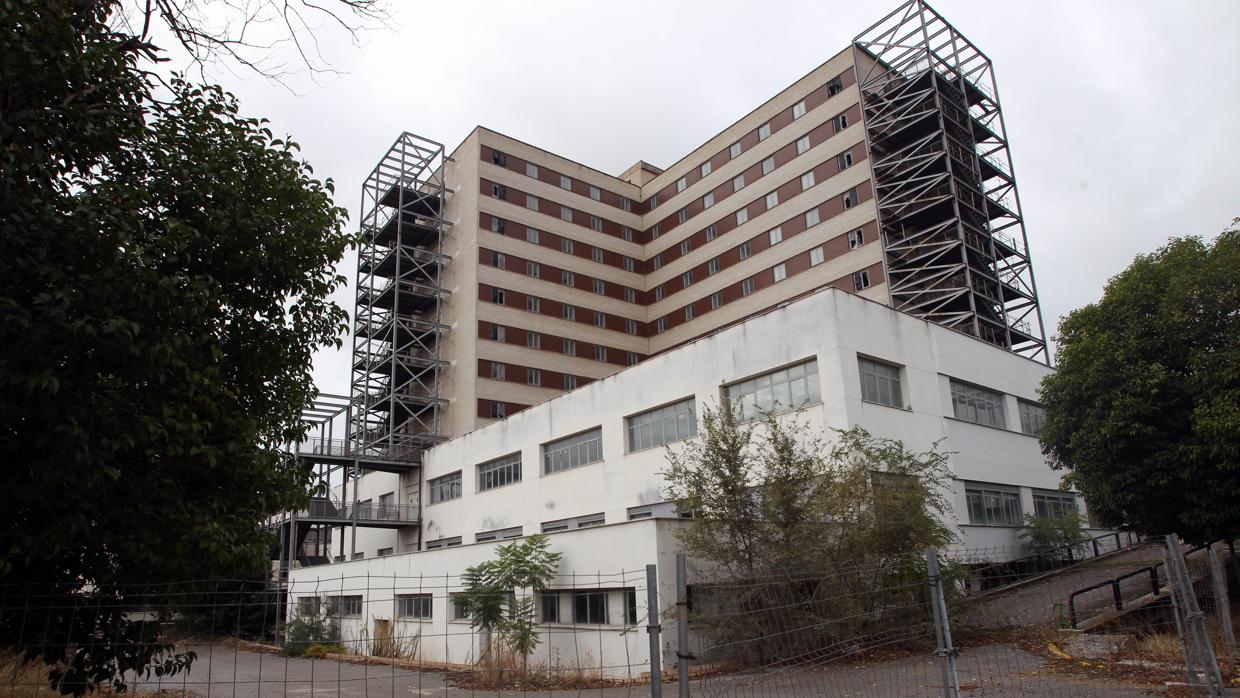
(500, 276)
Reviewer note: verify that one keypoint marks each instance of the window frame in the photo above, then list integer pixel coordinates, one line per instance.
(439, 482)
(588, 439)
(682, 415)
(895, 384)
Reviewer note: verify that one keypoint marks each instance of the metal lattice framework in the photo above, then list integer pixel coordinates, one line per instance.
(398, 333)
(953, 234)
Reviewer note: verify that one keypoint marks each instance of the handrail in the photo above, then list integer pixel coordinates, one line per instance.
(1093, 542)
(1116, 593)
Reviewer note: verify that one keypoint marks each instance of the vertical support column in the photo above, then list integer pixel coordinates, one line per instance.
(682, 627)
(942, 630)
(1197, 638)
(652, 627)
(1218, 577)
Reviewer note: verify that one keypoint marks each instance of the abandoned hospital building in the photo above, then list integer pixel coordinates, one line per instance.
(530, 333)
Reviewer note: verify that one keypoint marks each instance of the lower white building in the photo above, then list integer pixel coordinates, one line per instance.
(585, 467)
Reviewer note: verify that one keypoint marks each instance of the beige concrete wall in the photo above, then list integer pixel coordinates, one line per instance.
(461, 278)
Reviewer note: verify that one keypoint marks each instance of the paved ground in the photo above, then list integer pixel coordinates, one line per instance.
(992, 671)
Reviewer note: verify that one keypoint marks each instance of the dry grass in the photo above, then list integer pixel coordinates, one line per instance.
(19, 678)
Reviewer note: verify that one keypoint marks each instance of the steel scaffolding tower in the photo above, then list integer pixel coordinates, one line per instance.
(398, 332)
(953, 234)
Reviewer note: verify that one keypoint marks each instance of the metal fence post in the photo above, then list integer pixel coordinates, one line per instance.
(1218, 575)
(652, 627)
(942, 630)
(682, 626)
(1194, 620)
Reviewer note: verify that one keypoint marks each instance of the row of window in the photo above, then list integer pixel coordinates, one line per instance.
(996, 505)
(549, 342)
(577, 606)
(973, 403)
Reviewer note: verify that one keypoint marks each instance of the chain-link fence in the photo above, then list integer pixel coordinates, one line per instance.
(1136, 618)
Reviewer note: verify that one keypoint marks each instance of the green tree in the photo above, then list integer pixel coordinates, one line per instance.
(814, 542)
(498, 597)
(1144, 409)
(165, 272)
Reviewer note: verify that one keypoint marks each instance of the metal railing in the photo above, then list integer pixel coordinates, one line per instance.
(322, 508)
(1116, 591)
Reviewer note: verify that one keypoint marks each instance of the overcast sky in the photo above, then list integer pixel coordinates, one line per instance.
(1122, 116)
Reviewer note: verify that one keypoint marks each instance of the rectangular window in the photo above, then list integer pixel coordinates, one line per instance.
(1054, 505)
(596, 194)
(531, 170)
(811, 218)
(569, 312)
(807, 180)
(566, 214)
(531, 235)
(682, 215)
(497, 333)
(533, 304)
(344, 606)
(498, 410)
(843, 162)
(716, 300)
(445, 488)
(501, 534)
(711, 232)
(1032, 417)
(835, 87)
(626, 233)
(632, 359)
(861, 280)
(499, 191)
(590, 521)
(570, 382)
(856, 239)
(689, 312)
(568, 278)
(663, 425)
(573, 452)
(798, 109)
(978, 405)
(779, 272)
(457, 602)
(531, 202)
(499, 371)
(630, 295)
(764, 131)
(658, 292)
(596, 254)
(741, 216)
(570, 347)
(549, 605)
(533, 376)
(745, 250)
(596, 224)
(533, 340)
(566, 182)
(498, 260)
(712, 266)
(680, 185)
(775, 235)
(498, 225)
(414, 606)
(735, 150)
(785, 389)
(600, 353)
(686, 279)
(628, 263)
(654, 201)
(802, 144)
(657, 261)
(308, 606)
(600, 319)
(705, 169)
(738, 183)
(590, 607)
(817, 256)
(768, 165)
(880, 382)
(992, 506)
(499, 158)
(499, 472)
(850, 198)
(497, 296)
(626, 204)
(840, 122)
(600, 287)
(630, 326)
(656, 231)
(383, 552)
(772, 200)
(660, 325)
(532, 269)
(566, 246)
(747, 286)
(708, 200)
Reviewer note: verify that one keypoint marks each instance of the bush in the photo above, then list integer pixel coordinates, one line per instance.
(1054, 537)
(318, 651)
(306, 631)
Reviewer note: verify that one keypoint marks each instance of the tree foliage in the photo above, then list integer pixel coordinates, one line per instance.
(165, 272)
(1144, 411)
(498, 595)
(814, 542)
